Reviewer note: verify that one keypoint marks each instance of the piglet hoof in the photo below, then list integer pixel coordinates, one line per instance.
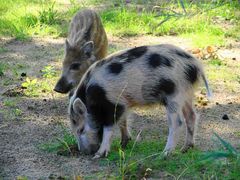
(100, 154)
(166, 153)
(185, 148)
(124, 142)
(96, 156)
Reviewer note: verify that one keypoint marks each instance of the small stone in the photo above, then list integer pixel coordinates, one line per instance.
(225, 117)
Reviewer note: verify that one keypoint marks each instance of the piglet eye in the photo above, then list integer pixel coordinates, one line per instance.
(75, 66)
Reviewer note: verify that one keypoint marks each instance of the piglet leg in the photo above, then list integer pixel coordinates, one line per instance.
(106, 142)
(190, 117)
(125, 135)
(174, 123)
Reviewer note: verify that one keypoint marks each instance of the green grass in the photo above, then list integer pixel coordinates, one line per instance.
(23, 19)
(2, 50)
(49, 72)
(3, 68)
(234, 32)
(229, 156)
(199, 24)
(203, 23)
(223, 73)
(34, 87)
(61, 146)
(10, 102)
(10, 109)
(215, 62)
(21, 178)
(145, 157)
(121, 22)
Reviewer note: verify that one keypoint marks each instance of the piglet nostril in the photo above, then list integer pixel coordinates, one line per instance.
(63, 86)
(58, 89)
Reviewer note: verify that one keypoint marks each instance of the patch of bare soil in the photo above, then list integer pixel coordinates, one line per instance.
(42, 118)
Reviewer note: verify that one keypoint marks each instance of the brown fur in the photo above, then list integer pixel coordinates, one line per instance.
(87, 22)
(86, 43)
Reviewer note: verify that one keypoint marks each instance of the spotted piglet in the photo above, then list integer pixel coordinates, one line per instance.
(159, 74)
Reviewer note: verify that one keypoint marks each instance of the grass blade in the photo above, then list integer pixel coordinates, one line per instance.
(227, 145)
(216, 155)
(183, 6)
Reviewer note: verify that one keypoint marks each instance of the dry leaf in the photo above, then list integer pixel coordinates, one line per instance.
(196, 51)
(199, 55)
(210, 49)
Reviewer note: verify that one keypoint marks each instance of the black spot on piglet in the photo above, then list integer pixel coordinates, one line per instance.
(115, 68)
(191, 73)
(156, 60)
(164, 87)
(137, 52)
(103, 111)
(133, 54)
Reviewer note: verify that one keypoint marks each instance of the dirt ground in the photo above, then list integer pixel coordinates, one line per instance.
(42, 117)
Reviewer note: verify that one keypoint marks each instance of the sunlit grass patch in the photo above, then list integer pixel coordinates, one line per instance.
(25, 19)
(203, 39)
(49, 72)
(222, 73)
(203, 23)
(35, 87)
(122, 22)
(216, 62)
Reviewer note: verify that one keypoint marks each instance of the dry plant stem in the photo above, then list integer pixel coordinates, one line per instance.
(156, 154)
(115, 110)
(139, 133)
(53, 98)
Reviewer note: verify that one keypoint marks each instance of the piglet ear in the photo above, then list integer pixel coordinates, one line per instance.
(79, 107)
(88, 48)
